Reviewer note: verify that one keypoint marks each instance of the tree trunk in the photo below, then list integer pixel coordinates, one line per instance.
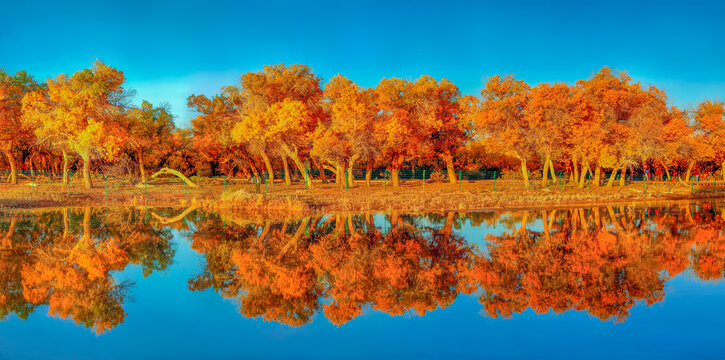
(370, 224)
(66, 223)
(141, 165)
(612, 176)
(300, 166)
(32, 168)
(448, 158)
(689, 171)
(395, 171)
(65, 167)
(287, 178)
(255, 173)
(525, 172)
(394, 176)
(368, 174)
(585, 169)
(350, 177)
(87, 172)
(339, 175)
(576, 171)
(545, 171)
(13, 168)
(268, 165)
(667, 171)
(551, 170)
(722, 169)
(623, 176)
(323, 177)
(597, 176)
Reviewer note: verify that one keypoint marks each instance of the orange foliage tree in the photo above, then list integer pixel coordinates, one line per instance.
(80, 114)
(348, 134)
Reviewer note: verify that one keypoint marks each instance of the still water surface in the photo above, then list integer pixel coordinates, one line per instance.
(630, 281)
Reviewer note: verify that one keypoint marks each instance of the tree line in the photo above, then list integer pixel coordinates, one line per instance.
(284, 117)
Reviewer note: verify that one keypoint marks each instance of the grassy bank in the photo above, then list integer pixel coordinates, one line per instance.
(410, 196)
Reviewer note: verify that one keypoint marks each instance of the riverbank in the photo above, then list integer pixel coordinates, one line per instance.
(280, 198)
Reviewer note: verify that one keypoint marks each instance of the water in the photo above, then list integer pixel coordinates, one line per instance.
(633, 281)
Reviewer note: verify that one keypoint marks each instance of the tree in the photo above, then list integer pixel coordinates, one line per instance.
(80, 114)
(399, 128)
(347, 135)
(148, 127)
(501, 119)
(709, 118)
(549, 114)
(446, 129)
(609, 116)
(282, 105)
(13, 132)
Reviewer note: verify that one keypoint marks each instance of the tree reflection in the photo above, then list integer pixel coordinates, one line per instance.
(281, 271)
(602, 260)
(65, 260)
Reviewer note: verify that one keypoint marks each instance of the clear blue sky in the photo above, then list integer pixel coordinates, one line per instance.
(171, 49)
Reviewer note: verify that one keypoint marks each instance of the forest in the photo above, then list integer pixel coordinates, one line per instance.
(288, 120)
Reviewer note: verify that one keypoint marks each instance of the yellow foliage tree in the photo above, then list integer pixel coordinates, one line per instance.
(79, 115)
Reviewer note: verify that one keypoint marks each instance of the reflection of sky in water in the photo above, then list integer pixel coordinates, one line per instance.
(165, 320)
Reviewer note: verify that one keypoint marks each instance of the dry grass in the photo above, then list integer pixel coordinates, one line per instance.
(411, 196)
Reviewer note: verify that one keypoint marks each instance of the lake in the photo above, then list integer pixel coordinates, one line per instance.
(623, 280)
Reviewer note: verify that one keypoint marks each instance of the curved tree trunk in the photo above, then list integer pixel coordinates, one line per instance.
(551, 170)
(252, 167)
(300, 166)
(66, 167)
(175, 173)
(323, 177)
(667, 171)
(525, 172)
(545, 171)
(689, 171)
(448, 159)
(268, 165)
(612, 176)
(87, 171)
(13, 167)
(597, 176)
(287, 178)
(141, 165)
(585, 169)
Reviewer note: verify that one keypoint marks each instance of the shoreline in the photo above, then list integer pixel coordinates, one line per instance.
(326, 198)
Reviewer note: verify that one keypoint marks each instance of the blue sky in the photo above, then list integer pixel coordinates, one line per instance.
(169, 50)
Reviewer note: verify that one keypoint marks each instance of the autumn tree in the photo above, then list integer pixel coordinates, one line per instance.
(13, 132)
(548, 114)
(80, 114)
(501, 119)
(148, 127)
(616, 123)
(709, 123)
(446, 128)
(347, 134)
(282, 107)
(399, 127)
